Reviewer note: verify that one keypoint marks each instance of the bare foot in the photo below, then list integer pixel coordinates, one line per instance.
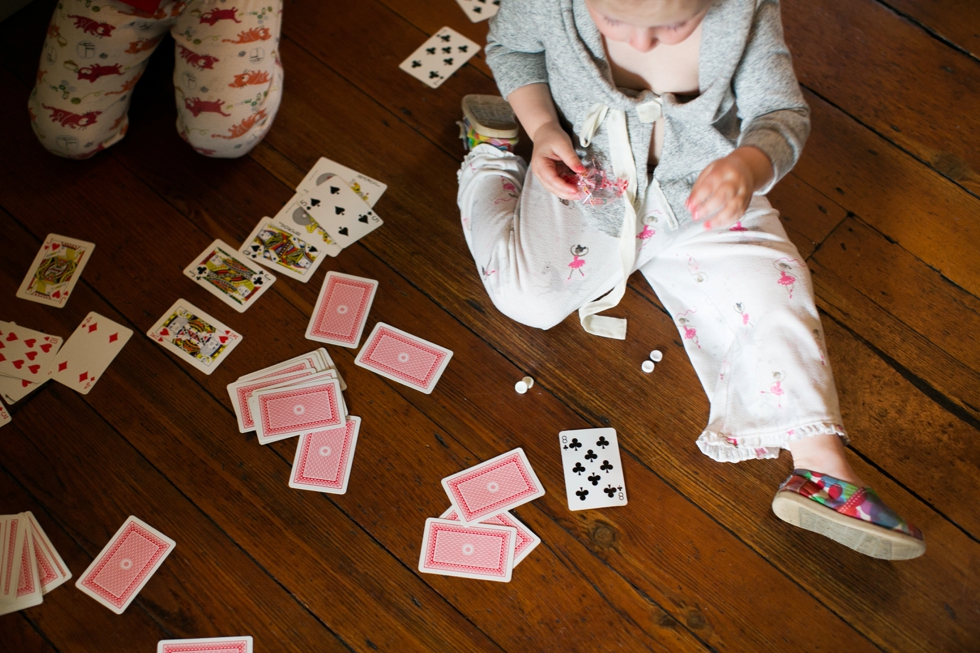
(824, 454)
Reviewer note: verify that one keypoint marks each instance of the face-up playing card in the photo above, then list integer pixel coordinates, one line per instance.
(283, 250)
(477, 10)
(13, 390)
(241, 391)
(404, 358)
(525, 540)
(593, 469)
(4, 415)
(368, 189)
(480, 551)
(340, 211)
(323, 458)
(125, 565)
(440, 56)
(242, 644)
(293, 410)
(493, 486)
(88, 352)
(55, 270)
(52, 570)
(194, 336)
(341, 310)
(26, 354)
(295, 218)
(13, 532)
(229, 276)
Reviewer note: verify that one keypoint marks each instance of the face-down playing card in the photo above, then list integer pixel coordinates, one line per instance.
(341, 309)
(525, 541)
(55, 270)
(28, 583)
(404, 358)
(339, 211)
(323, 458)
(283, 249)
(439, 57)
(481, 551)
(51, 567)
(229, 276)
(88, 352)
(241, 644)
(194, 336)
(289, 411)
(493, 486)
(593, 469)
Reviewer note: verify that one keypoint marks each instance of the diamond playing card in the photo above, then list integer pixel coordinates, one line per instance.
(55, 270)
(593, 469)
(293, 410)
(13, 390)
(242, 644)
(341, 309)
(283, 250)
(88, 352)
(523, 544)
(477, 10)
(339, 211)
(404, 358)
(295, 218)
(323, 458)
(480, 551)
(229, 276)
(25, 353)
(52, 569)
(125, 565)
(493, 486)
(440, 56)
(194, 336)
(368, 189)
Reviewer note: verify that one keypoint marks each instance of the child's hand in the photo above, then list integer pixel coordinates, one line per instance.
(551, 147)
(724, 188)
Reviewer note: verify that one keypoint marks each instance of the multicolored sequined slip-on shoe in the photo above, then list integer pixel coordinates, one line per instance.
(853, 516)
(488, 119)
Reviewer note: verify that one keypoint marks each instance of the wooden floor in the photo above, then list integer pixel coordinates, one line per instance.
(885, 205)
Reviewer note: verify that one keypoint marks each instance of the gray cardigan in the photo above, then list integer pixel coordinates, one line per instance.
(749, 93)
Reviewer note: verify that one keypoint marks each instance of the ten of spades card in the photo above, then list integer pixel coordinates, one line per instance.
(593, 469)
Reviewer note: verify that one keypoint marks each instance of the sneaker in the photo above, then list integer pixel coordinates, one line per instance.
(488, 119)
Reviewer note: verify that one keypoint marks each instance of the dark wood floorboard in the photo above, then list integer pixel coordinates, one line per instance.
(884, 206)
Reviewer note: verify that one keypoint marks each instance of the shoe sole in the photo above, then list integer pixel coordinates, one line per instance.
(490, 116)
(863, 537)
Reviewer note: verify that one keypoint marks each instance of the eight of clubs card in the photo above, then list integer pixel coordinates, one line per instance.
(341, 310)
(55, 270)
(88, 352)
(228, 275)
(593, 469)
(440, 56)
(193, 335)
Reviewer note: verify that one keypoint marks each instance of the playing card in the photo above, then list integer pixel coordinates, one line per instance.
(4, 415)
(593, 470)
(318, 359)
(12, 541)
(481, 551)
(25, 353)
(52, 570)
(368, 189)
(241, 644)
(290, 411)
(13, 390)
(324, 458)
(55, 270)
(283, 249)
(125, 565)
(193, 335)
(294, 217)
(228, 275)
(88, 352)
(493, 486)
(525, 540)
(477, 10)
(402, 357)
(440, 56)
(241, 391)
(341, 309)
(340, 211)
(28, 582)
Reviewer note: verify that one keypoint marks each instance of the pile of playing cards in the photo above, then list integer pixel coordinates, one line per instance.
(125, 565)
(440, 56)
(593, 469)
(477, 537)
(302, 397)
(29, 565)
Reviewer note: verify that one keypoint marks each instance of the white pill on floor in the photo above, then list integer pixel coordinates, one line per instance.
(647, 366)
(521, 387)
(656, 355)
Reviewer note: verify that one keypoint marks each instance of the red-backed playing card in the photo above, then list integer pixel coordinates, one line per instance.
(491, 487)
(526, 540)
(469, 551)
(402, 357)
(206, 645)
(324, 458)
(341, 310)
(286, 412)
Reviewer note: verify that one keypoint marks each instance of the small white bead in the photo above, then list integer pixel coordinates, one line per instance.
(647, 366)
(521, 387)
(529, 381)
(656, 355)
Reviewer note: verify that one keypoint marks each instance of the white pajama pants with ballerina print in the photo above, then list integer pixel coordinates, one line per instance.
(741, 297)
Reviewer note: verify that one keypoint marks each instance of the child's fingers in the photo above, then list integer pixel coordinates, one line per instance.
(729, 214)
(547, 172)
(702, 191)
(567, 154)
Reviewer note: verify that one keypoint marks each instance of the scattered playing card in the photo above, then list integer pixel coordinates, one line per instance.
(593, 470)
(493, 486)
(52, 569)
(88, 352)
(13, 390)
(294, 218)
(55, 270)
(283, 249)
(4, 415)
(477, 10)
(13, 539)
(241, 391)
(242, 644)
(341, 309)
(296, 409)
(193, 335)
(368, 189)
(26, 354)
(440, 56)
(481, 551)
(340, 211)
(404, 358)
(28, 592)
(125, 565)
(324, 458)
(525, 541)
(228, 275)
